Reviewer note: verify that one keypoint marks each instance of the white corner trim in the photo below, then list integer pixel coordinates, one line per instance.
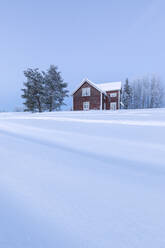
(101, 100)
(119, 99)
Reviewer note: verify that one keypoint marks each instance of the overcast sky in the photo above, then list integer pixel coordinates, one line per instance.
(106, 40)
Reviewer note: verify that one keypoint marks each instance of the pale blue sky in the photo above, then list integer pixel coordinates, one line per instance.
(106, 40)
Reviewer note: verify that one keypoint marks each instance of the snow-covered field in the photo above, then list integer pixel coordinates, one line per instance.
(82, 179)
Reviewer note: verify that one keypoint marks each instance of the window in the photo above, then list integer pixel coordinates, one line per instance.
(86, 91)
(85, 105)
(113, 94)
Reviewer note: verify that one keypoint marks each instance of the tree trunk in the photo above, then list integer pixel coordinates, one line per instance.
(51, 104)
(39, 105)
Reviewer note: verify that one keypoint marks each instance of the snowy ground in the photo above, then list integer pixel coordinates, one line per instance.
(82, 180)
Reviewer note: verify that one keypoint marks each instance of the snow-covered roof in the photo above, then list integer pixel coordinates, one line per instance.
(110, 86)
(101, 87)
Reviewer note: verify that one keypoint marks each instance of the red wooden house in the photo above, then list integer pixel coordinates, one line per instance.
(88, 96)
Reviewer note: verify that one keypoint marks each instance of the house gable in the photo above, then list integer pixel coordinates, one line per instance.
(93, 99)
(91, 84)
(94, 91)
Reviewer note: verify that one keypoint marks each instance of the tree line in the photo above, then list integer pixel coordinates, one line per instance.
(146, 92)
(44, 91)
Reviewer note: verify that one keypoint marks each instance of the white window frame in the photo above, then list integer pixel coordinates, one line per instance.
(114, 94)
(113, 105)
(86, 106)
(86, 91)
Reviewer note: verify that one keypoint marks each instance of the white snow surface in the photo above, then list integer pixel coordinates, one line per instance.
(82, 179)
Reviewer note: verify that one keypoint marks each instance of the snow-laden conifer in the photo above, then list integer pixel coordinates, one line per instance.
(55, 89)
(33, 93)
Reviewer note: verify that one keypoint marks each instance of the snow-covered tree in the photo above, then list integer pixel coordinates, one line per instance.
(33, 93)
(145, 84)
(138, 95)
(44, 90)
(127, 95)
(55, 89)
(156, 93)
(145, 92)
